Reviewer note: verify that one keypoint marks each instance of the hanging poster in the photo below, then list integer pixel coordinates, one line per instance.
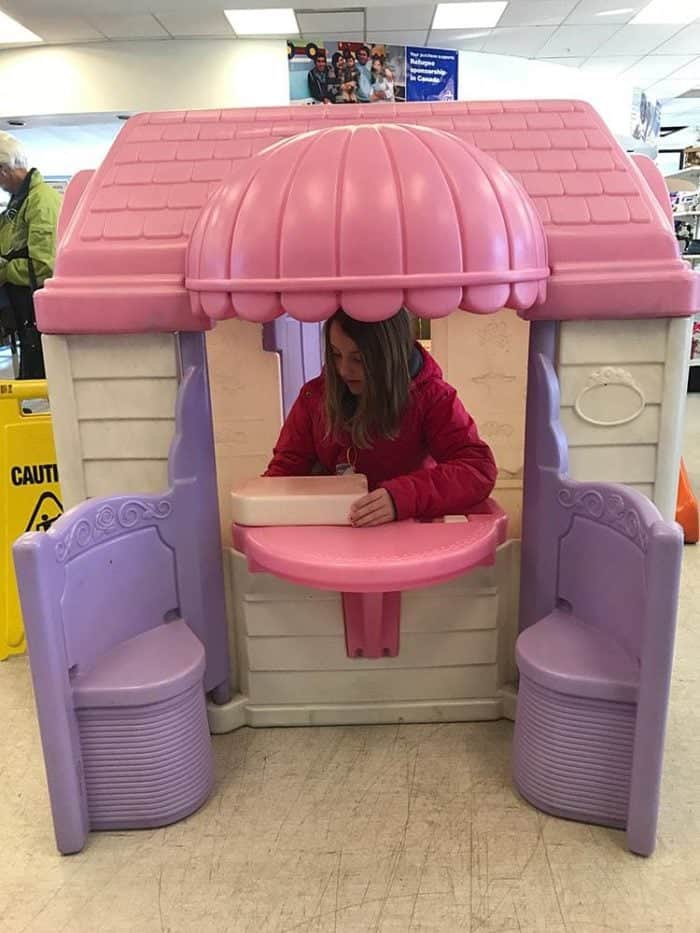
(344, 72)
(431, 74)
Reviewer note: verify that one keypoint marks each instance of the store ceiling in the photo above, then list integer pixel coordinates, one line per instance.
(593, 35)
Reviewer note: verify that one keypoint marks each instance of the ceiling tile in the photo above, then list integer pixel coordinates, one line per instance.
(471, 39)
(202, 23)
(536, 13)
(656, 67)
(636, 40)
(691, 70)
(577, 40)
(330, 25)
(597, 12)
(347, 36)
(386, 18)
(398, 37)
(610, 66)
(670, 87)
(62, 29)
(567, 62)
(127, 27)
(685, 42)
(525, 41)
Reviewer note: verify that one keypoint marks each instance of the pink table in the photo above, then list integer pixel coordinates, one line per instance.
(372, 566)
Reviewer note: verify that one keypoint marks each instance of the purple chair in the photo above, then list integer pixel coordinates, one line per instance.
(603, 569)
(124, 616)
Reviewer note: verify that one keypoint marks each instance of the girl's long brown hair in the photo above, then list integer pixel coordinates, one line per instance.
(386, 348)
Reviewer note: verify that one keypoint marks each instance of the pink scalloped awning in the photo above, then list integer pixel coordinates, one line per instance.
(369, 218)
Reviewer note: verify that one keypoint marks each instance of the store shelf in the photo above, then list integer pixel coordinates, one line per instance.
(682, 177)
(686, 214)
(695, 362)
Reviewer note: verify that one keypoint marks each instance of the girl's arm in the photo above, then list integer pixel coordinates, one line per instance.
(295, 450)
(465, 470)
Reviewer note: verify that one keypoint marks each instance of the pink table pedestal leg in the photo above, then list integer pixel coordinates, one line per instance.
(372, 624)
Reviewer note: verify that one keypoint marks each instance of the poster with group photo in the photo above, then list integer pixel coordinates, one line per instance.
(346, 72)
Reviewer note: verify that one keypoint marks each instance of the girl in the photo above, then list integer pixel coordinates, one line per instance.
(382, 82)
(382, 408)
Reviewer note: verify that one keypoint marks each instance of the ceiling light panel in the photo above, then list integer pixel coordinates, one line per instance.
(11, 31)
(468, 15)
(668, 12)
(537, 13)
(263, 22)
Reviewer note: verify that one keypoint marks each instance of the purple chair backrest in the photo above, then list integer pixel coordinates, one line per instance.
(115, 590)
(300, 347)
(600, 571)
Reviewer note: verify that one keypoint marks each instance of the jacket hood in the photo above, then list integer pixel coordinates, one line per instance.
(429, 369)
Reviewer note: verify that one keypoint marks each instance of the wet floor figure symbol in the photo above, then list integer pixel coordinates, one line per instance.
(46, 511)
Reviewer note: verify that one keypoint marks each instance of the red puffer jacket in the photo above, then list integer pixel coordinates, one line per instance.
(438, 465)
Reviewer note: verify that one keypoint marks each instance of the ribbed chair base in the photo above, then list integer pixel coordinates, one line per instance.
(573, 755)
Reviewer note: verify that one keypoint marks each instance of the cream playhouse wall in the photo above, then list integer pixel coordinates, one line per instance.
(114, 423)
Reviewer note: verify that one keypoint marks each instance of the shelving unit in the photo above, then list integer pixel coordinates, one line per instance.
(688, 180)
(683, 176)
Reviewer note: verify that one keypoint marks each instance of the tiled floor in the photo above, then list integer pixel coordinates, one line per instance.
(383, 829)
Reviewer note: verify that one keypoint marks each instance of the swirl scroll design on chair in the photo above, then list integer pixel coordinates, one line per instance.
(109, 521)
(607, 508)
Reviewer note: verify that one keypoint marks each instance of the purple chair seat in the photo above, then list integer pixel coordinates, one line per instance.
(142, 722)
(151, 667)
(564, 654)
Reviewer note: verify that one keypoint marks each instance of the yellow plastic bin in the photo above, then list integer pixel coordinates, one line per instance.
(30, 497)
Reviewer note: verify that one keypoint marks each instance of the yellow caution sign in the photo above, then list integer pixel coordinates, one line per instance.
(30, 497)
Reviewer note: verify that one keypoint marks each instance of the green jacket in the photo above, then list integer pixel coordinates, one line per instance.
(32, 228)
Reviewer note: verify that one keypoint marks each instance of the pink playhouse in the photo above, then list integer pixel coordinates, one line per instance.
(195, 269)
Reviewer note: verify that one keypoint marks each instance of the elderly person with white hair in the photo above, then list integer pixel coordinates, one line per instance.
(27, 247)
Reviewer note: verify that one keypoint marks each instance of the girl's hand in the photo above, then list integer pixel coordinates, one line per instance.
(375, 509)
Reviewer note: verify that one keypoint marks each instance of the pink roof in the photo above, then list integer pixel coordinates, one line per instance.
(611, 250)
(371, 218)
